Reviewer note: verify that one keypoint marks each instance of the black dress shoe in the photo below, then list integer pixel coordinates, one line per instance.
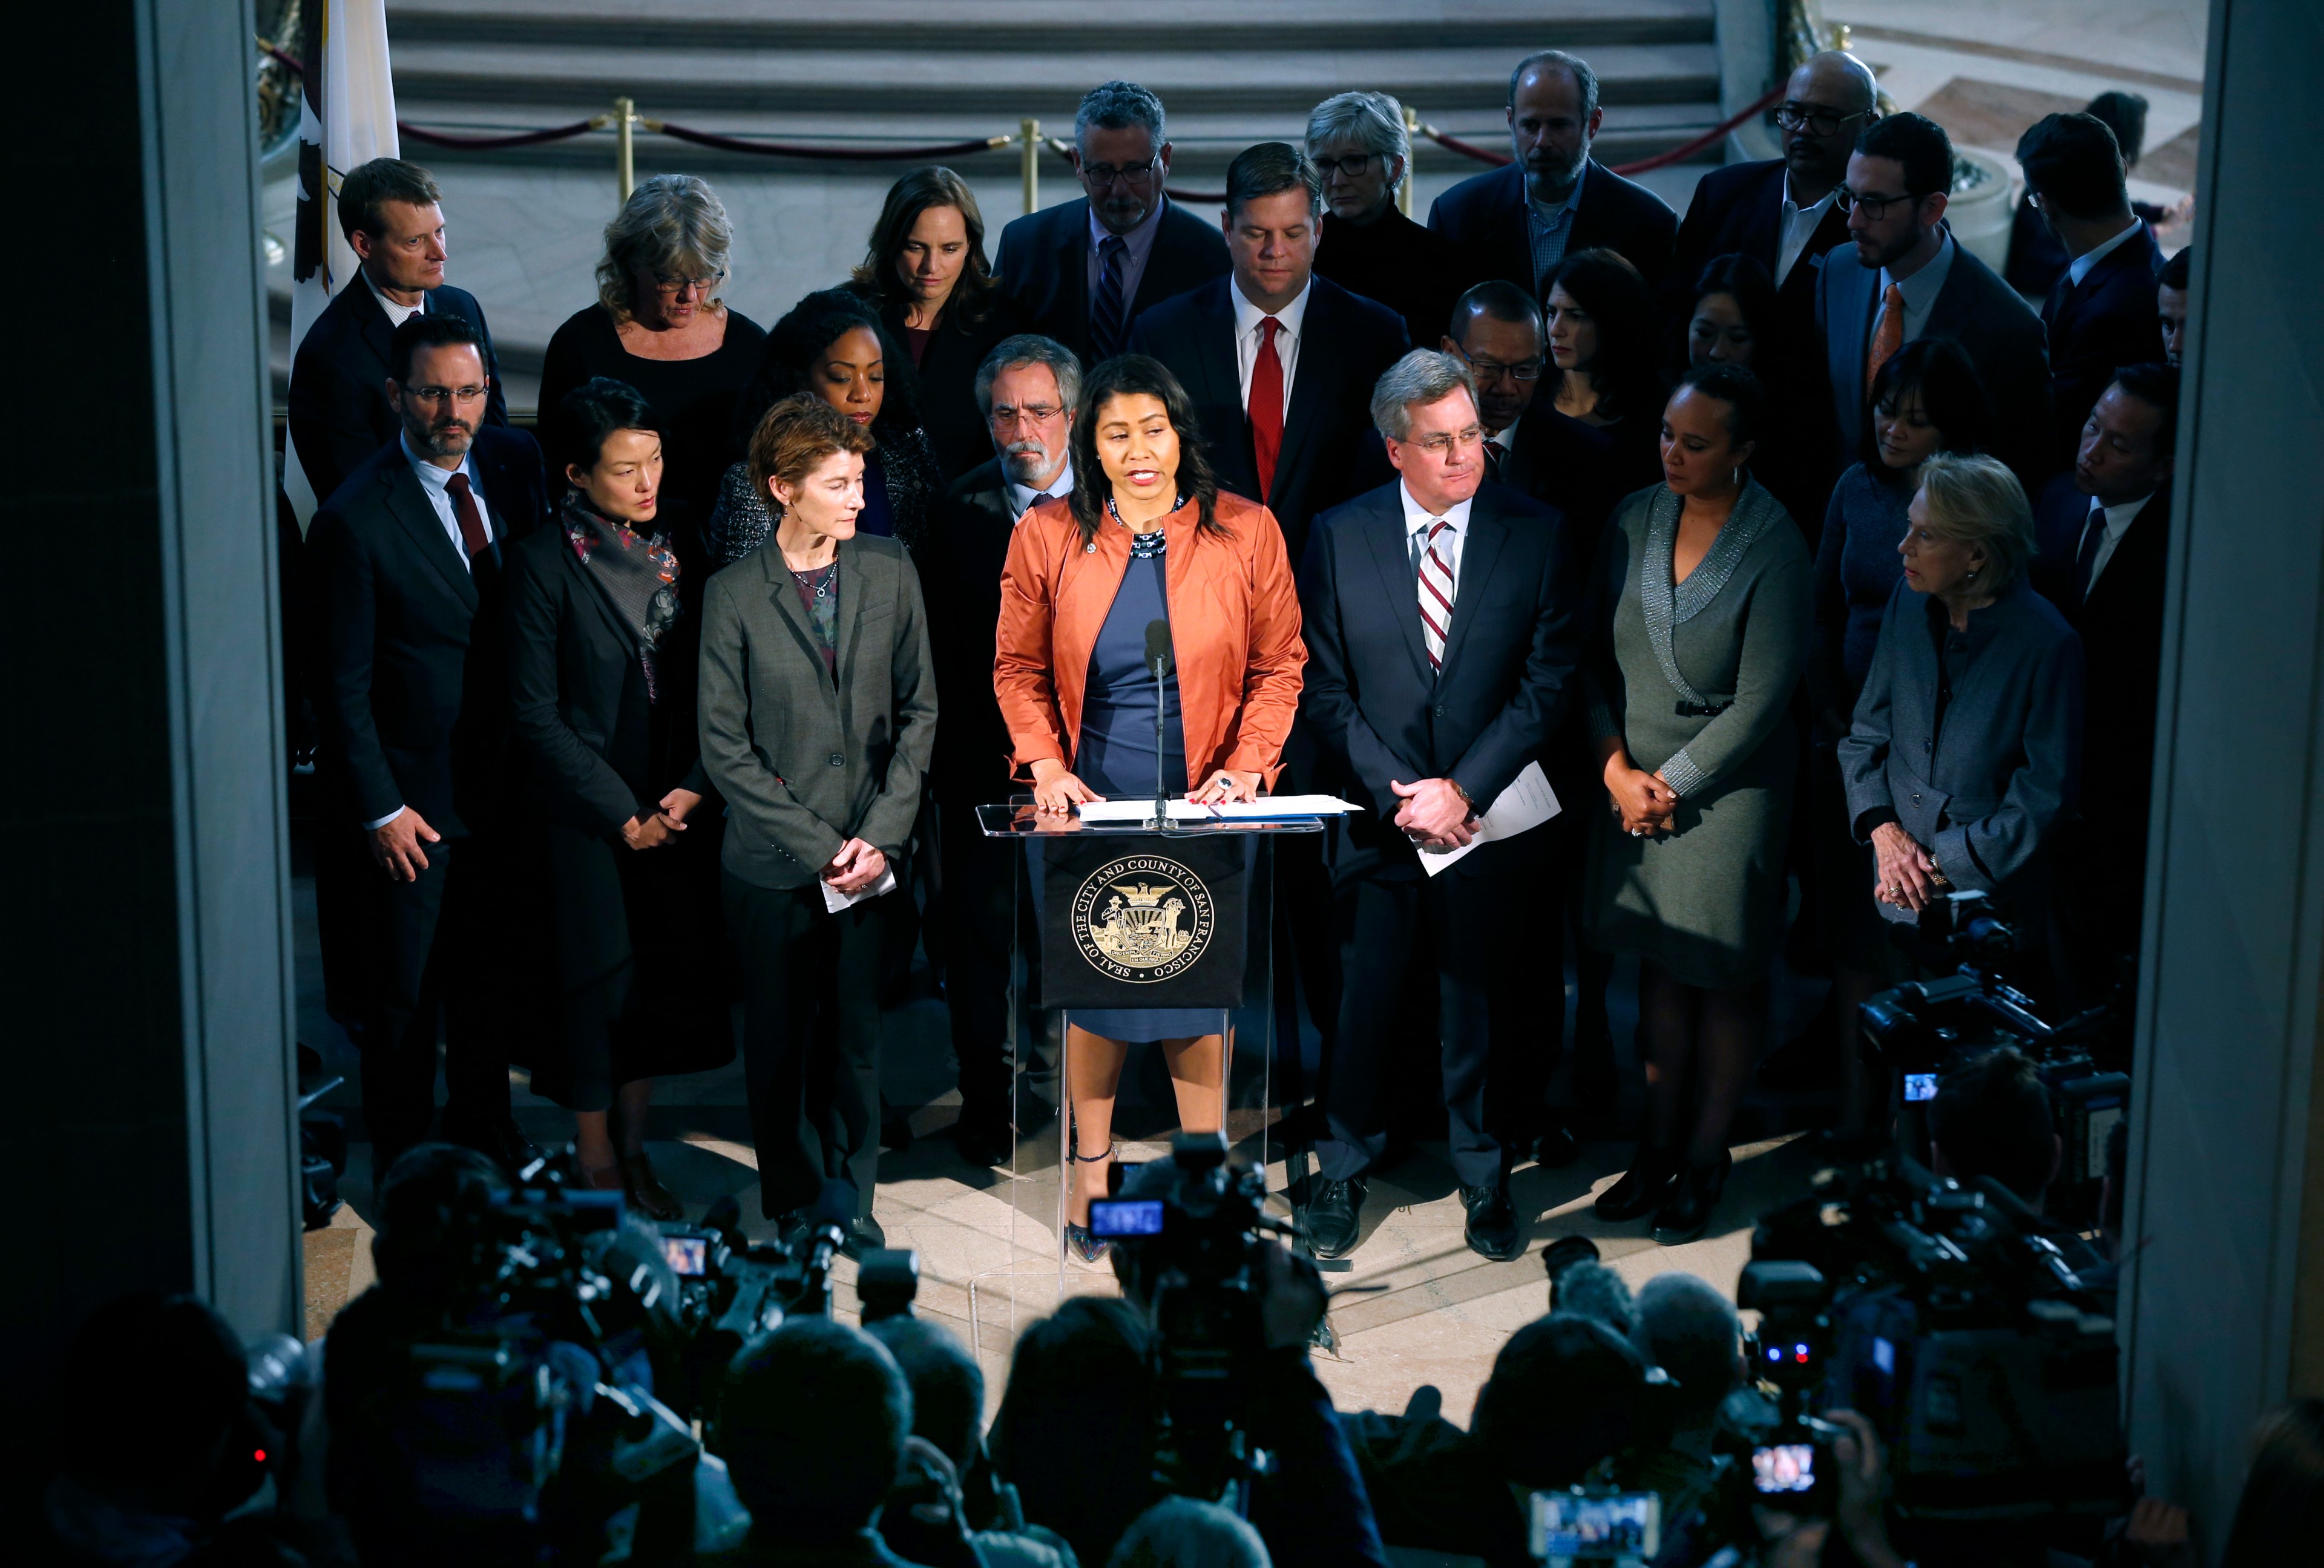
(503, 1140)
(1493, 1231)
(981, 1139)
(1334, 1215)
(1642, 1187)
(1557, 1147)
(864, 1235)
(1693, 1196)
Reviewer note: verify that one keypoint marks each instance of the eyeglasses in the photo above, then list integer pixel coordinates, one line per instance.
(1029, 413)
(1441, 445)
(1875, 207)
(1494, 370)
(1809, 117)
(438, 395)
(1351, 165)
(1101, 175)
(675, 286)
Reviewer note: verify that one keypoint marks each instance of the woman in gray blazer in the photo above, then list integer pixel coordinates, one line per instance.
(818, 714)
(1697, 643)
(1965, 742)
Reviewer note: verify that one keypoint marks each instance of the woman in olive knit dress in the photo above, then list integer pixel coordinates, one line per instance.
(1699, 637)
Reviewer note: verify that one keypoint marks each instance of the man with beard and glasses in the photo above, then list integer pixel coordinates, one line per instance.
(1081, 272)
(407, 560)
(1783, 213)
(1027, 387)
(1520, 222)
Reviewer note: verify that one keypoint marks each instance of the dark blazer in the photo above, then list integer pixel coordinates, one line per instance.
(1982, 793)
(2121, 628)
(577, 690)
(1738, 210)
(1042, 267)
(1994, 328)
(806, 760)
(966, 552)
(1484, 217)
(414, 688)
(2096, 327)
(1345, 342)
(1412, 269)
(339, 412)
(944, 383)
(1509, 661)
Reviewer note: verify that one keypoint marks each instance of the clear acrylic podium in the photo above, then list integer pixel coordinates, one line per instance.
(1037, 1220)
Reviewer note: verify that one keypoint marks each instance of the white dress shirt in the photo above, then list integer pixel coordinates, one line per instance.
(1248, 337)
(1920, 291)
(1797, 227)
(397, 315)
(1416, 520)
(2117, 521)
(2080, 267)
(1021, 497)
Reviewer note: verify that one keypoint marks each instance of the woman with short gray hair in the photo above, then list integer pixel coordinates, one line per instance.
(1367, 245)
(1965, 742)
(660, 325)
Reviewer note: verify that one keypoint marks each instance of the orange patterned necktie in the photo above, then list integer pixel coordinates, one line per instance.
(1888, 335)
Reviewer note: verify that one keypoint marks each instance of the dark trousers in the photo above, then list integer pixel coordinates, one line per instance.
(810, 1040)
(414, 957)
(981, 877)
(1467, 924)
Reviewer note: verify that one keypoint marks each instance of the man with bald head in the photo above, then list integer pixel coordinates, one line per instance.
(1520, 222)
(1781, 211)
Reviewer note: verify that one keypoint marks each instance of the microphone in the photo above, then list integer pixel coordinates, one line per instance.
(1157, 649)
(1158, 660)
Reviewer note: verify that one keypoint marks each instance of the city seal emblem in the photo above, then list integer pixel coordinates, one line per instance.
(1142, 919)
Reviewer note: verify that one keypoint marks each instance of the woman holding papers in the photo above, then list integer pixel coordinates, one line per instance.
(1698, 637)
(819, 715)
(1148, 552)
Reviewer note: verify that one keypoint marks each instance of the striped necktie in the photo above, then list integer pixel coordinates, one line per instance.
(1435, 594)
(1106, 311)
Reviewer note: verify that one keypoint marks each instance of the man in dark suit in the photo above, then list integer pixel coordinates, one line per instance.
(2170, 288)
(1441, 639)
(1029, 387)
(389, 210)
(1081, 271)
(1905, 278)
(1278, 363)
(1783, 213)
(2101, 313)
(407, 559)
(1520, 222)
(2104, 533)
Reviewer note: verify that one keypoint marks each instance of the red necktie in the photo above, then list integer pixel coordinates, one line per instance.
(472, 520)
(1266, 405)
(1888, 336)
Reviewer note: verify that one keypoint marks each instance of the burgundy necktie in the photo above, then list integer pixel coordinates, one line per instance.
(472, 519)
(1266, 405)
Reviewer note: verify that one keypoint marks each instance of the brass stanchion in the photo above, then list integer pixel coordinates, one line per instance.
(625, 160)
(1412, 163)
(1030, 132)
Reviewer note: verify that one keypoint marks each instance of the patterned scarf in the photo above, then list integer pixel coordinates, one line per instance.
(637, 575)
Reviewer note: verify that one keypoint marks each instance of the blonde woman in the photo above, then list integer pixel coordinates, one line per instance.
(661, 325)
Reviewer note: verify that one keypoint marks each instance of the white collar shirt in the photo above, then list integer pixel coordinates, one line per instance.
(1417, 519)
(397, 315)
(2080, 267)
(434, 483)
(1022, 497)
(1248, 337)
(1798, 227)
(1920, 291)
(2116, 521)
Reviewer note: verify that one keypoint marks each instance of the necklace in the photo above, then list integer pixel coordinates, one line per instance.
(819, 580)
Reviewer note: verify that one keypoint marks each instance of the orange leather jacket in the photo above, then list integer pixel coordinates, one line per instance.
(1234, 634)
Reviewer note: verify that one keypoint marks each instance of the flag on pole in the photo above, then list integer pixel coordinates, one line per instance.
(346, 118)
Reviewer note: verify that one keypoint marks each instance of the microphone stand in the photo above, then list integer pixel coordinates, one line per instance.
(1161, 752)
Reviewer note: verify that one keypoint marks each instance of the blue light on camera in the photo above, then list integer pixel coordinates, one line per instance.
(1125, 1217)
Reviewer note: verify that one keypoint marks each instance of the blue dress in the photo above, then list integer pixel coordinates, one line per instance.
(1115, 757)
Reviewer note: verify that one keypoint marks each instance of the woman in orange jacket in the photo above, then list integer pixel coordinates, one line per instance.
(1146, 536)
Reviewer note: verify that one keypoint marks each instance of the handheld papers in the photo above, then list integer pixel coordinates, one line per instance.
(1524, 806)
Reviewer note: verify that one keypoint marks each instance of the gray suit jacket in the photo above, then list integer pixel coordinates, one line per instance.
(1980, 791)
(807, 761)
(1996, 327)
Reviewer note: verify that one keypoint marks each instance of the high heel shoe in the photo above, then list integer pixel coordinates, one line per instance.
(646, 1192)
(1693, 1197)
(1085, 1244)
(1642, 1187)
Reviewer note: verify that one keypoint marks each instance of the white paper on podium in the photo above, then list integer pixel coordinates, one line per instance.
(1266, 809)
(1524, 806)
(835, 900)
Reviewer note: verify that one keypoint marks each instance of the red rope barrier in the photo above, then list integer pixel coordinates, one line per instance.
(844, 154)
(1686, 149)
(1063, 150)
(484, 143)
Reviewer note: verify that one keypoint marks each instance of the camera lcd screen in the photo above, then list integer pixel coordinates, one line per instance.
(1625, 1525)
(1783, 1469)
(687, 1255)
(1920, 1085)
(1113, 1217)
